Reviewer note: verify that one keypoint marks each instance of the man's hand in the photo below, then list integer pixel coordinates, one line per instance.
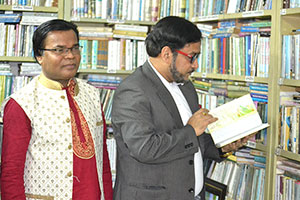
(234, 146)
(200, 120)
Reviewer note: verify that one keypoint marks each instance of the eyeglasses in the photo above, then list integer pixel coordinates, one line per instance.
(192, 58)
(63, 51)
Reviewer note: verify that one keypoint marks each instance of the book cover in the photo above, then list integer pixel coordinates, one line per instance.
(236, 119)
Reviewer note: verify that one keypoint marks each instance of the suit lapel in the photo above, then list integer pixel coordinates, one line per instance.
(189, 94)
(163, 93)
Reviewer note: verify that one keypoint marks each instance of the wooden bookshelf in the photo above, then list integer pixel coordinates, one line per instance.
(289, 82)
(287, 154)
(59, 9)
(283, 21)
(16, 59)
(273, 81)
(230, 77)
(29, 8)
(244, 15)
(110, 21)
(104, 71)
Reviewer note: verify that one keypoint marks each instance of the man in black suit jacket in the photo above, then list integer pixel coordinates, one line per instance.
(157, 122)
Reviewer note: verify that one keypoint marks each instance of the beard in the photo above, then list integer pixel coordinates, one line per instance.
(177, 76)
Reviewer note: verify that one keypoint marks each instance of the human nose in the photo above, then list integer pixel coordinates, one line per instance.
(195, 64)
(68, 52)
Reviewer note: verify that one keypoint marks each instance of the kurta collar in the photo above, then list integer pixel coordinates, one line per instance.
(54, 85)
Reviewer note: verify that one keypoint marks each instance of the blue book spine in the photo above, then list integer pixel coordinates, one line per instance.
(259, 100)
(260, 159)
(187, 10)
(168, 7)
(249, 29)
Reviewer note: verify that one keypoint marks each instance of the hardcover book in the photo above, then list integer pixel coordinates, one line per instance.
(236, 119)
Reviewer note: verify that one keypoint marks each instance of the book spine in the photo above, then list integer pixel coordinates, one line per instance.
(94, 54)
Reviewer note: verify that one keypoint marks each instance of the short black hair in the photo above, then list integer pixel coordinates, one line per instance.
(174, 32)
(40, 34)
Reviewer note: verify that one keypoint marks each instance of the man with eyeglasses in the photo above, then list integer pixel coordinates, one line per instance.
(157, 123)
(54, 144)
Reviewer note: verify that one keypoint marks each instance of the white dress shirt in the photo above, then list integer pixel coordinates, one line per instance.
(185, 113)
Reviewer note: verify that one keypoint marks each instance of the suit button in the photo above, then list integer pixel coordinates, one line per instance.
(191, 162)
(191, 190)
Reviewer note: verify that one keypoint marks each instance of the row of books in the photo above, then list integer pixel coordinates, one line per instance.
(290, 66)
(235, 49)
(253, 157)
(16, 39)
(16, 30)
(23, 69)
(287, 180)
(101, 54)
(244, 180)
(46, 3)
(236, 27)
(215, 7)
(26, 18)
(107, 86)
(150, 10)
(289, 128)
(232, 89)
(10, 84)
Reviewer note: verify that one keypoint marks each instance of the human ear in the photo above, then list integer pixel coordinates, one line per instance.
(166, 54)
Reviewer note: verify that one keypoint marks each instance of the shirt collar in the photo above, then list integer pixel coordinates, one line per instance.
(163, 78)
(54, 85)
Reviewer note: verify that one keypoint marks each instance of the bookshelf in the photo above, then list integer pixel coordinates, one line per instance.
(273, 80)
(16, 32)
(230, 77)
(287, 20)
(283, 21)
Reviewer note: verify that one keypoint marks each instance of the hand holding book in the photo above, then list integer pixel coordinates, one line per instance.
(200, 120)
(234, 146)
(236, 119)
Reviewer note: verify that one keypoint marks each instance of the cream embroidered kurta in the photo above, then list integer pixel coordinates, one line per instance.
(49, 160)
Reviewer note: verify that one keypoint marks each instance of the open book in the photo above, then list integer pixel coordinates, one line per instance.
(236, 119)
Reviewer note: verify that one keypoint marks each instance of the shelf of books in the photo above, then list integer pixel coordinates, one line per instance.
(16, 59)
(125, 11)
(112, 34)
(30, 8)
(285, 184)
(104, 71)
(17, 24)
(243, 173)
(289, 82)
(239, 40)
(49, 6)
(230, 77)
(241, 54)
(120, 26)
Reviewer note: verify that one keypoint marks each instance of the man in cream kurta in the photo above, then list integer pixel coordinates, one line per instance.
(53, 137)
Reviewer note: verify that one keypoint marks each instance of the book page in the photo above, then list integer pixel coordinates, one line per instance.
(236, 119)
